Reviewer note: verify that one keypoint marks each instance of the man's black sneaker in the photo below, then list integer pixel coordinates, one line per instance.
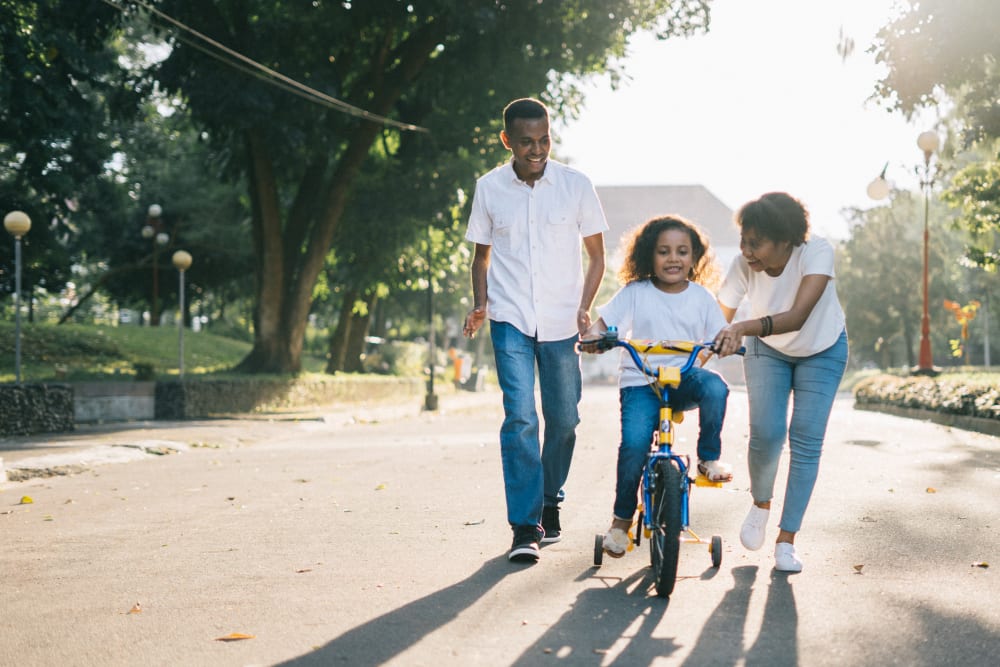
(550, 524)
(525, 546)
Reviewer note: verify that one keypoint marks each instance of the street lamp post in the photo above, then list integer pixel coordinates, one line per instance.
(182, 260)
(153, 230)
(928, 142)
(17, 223)
(431, 399)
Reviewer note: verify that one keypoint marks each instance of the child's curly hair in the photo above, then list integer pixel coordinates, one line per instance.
(641, 246)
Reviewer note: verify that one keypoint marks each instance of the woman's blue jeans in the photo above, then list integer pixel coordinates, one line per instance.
(640, 410)
(534, 473)
(812, 383)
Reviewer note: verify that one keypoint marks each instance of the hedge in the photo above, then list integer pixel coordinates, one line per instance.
(956, 395)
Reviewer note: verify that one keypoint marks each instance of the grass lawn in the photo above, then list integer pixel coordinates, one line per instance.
(51, 352)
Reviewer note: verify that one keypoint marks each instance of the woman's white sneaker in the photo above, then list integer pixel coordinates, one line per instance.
(754, 527)
(785, 558)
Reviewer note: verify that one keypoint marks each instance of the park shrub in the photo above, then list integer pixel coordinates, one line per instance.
(970, 395)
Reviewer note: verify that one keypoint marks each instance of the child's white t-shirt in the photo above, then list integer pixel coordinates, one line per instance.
(641, 310)
(770, 295)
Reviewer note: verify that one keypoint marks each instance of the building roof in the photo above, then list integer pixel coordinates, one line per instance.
(627, 206)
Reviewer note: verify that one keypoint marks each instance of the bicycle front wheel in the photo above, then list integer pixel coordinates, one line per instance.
(665, 541)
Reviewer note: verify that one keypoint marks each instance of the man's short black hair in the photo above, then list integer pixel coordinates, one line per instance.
(526, 107)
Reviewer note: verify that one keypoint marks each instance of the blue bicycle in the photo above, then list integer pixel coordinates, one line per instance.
(666, 478)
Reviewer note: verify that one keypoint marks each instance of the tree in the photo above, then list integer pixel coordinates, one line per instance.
(60, 85)
(942, 49)
(948, 50)
(446, 67)
(879, 281)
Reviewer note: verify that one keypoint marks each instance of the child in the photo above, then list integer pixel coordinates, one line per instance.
(662, 299)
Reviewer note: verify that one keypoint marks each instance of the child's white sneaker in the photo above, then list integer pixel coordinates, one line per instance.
(785, 558)
(616, 542)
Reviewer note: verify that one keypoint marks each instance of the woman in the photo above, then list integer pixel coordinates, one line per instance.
(797, 347)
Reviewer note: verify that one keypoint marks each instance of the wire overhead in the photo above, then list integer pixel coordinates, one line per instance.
(261, 71)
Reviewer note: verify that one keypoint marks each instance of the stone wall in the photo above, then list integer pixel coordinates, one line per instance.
(36, 408)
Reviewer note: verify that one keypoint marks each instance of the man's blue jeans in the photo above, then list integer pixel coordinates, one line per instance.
(640, 410)
(534, 473)
(812, 383)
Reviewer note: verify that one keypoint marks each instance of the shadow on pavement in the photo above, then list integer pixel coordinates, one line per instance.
(383, 638)
(777, 642)
(591, 628)
(721, 640)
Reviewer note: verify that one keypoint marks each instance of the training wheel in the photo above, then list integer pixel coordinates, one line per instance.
(716, 550)
(598, 550)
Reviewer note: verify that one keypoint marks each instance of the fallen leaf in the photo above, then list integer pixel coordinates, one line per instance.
(981, 563)
(48, 517)
(26, 500)
(303, 570)
(475, 523)
(136, 609)
(380, 487)
(234, 637)
(857, 568)
(931, 489)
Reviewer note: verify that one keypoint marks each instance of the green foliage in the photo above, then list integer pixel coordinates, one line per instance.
(975, 193)
(944, 47)
(59, 84)
(947, 50)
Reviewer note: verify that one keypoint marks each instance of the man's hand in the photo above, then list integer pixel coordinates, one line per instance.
(582, 321)
(474, 320)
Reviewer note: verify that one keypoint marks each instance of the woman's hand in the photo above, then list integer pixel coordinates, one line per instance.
(729, 340)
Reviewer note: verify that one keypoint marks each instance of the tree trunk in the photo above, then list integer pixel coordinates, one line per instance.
(356, 339)
(338, 340)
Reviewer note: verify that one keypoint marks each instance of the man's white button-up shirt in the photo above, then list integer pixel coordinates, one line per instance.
(535, 276)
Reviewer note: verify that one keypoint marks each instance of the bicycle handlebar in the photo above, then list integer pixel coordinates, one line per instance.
(609, 340)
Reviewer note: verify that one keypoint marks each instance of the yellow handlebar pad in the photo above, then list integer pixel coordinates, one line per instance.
(663, 346)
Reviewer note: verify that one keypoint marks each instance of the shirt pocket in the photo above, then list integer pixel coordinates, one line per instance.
(506, 236)
(560, 228)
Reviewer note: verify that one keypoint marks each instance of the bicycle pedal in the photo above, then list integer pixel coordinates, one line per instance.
(701, 480)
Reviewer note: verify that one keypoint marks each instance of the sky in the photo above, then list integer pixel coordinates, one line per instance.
(762, 102)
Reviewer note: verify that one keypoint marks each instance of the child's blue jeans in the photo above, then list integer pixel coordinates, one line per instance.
(640, 410)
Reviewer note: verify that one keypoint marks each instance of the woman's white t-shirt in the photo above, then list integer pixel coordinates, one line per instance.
(770, 295)
(641, 310)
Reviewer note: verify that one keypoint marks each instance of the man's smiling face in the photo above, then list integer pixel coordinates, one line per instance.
(529, 142)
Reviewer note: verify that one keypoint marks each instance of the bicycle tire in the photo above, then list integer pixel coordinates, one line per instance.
(665, 541)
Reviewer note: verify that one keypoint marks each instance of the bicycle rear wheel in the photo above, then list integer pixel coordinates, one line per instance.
(665, 541)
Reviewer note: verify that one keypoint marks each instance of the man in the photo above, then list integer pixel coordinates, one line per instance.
(528, 218)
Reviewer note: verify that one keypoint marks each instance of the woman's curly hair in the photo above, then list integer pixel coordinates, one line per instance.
(641, 246)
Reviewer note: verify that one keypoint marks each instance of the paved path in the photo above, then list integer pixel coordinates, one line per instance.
(381, 540)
